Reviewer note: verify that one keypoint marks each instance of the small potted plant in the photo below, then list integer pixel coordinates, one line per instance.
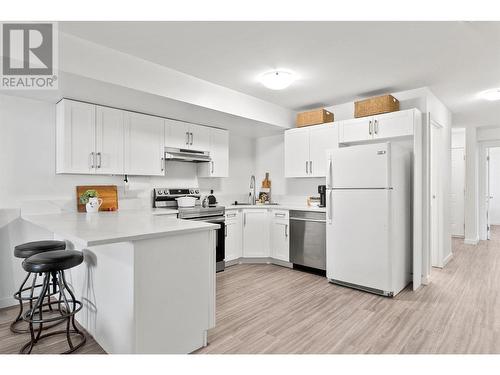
(91, 200)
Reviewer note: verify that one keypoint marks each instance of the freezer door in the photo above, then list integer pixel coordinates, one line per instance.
(357, 238)
(358, 167)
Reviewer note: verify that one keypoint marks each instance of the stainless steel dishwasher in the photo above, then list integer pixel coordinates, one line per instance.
(308, 239)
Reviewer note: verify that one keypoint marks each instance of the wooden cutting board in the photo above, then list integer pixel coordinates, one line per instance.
(108, 194)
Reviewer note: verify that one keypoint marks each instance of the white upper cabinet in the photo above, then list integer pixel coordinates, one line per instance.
(305, 150)
(144, 145)
(110, 131)
(199, 137)
(179, 134)
(385, 126)
(219, 153)
(176, 134)
(75, 137)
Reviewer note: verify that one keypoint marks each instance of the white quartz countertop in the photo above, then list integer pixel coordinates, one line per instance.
(287, 207)
(111, 227)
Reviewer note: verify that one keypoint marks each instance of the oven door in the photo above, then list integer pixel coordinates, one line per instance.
(220, 239)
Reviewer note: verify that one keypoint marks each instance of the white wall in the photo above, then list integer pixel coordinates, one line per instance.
(494, 204)
(28, 181)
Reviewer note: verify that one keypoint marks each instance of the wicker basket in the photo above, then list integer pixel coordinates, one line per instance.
(375, 106)
(318, 116)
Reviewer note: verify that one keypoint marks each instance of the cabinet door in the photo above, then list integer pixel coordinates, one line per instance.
(280, 236)
(321, 138)
(394, 124)
(234, 236)
(200, 138)
(110, 130)
(75, 137)
(144, 145)
(297, 153)
(176, 134)
(255, 233)
(219, 152)
(355, 130)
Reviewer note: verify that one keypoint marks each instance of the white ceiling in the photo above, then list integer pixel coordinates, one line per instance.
(337, 61)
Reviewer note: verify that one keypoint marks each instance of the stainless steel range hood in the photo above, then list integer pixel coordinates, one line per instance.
(182, 154)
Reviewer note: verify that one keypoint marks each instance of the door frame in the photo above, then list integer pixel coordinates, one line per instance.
(482, 188)
(436, 215)
(463, 192)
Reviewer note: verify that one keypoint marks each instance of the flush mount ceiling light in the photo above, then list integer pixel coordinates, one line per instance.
(493, 94)
(277, 79)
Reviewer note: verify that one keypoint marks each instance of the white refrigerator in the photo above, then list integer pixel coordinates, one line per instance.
(368, 202)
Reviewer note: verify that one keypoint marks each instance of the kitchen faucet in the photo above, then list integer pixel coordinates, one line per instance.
(251, 194)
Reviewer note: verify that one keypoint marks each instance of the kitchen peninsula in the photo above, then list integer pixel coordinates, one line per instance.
(147, 282)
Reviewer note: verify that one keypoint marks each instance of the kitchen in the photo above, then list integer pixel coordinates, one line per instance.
(226, 221)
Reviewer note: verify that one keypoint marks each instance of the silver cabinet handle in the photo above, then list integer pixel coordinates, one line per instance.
(375, 127)
(212, 167)
(225, 231)
(370, 127)
(192, 138)
(187, 138)
(99, 160)
(307, 170)
(162, 164)
(310, 166)
(230, 215)
(91, 160)
(330, 207)
(244, 219)
(286, 230)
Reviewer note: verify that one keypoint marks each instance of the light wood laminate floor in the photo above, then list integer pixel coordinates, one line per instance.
(271, 309)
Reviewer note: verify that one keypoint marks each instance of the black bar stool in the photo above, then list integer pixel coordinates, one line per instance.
(25, 251)
(52, 264)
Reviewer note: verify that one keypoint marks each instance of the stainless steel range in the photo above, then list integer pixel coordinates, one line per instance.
(166, 198)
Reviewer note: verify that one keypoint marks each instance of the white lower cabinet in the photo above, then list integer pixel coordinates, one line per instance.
(280, 234)
(256, 233)
(234, 235)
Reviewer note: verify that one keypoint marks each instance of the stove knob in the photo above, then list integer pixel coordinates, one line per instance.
(159, 192)
(165, 192)
(197, 191)
(191, 191)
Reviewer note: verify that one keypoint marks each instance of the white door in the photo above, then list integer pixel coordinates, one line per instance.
(355, 130)
(297, 153)
(358, 238)
(75, 137)
(365, 166)
(110, 130)
(394, 124)
(280, 248)
(321, 138)
(199, 137)
(255, 233)
(144, 145)
(234, 236)
(219, 152)
(176, 134)
(435, 222)
(457, 191)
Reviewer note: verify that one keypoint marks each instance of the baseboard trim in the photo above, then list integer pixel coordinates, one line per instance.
(264, 260)
(447, 259)
(7, 302)
(471, 241)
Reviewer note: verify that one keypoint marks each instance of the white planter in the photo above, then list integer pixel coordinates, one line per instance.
(93, 205)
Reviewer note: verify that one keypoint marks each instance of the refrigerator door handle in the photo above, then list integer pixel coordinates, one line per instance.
(330, 206)
(329, 174)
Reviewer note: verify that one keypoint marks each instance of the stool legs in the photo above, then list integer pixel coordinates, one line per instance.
(67, 308)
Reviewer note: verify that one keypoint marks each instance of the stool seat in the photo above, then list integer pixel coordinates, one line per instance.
(52, 261)
(31, 248)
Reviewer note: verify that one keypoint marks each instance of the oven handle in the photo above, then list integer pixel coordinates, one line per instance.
(213, 219)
